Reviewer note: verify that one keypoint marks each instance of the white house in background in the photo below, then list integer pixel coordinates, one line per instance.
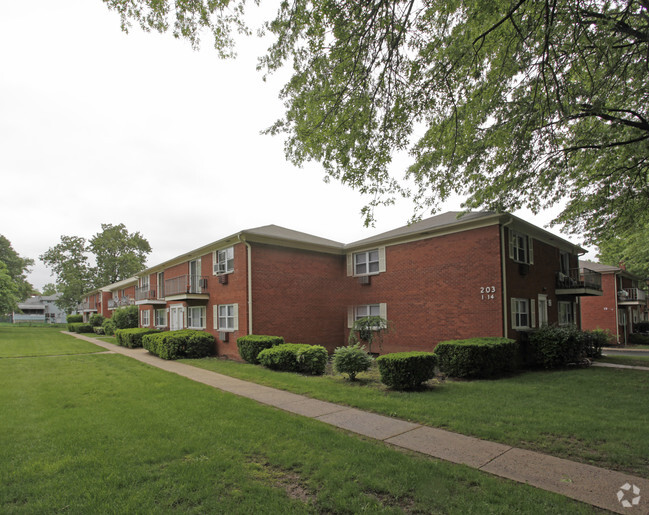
(40, 309)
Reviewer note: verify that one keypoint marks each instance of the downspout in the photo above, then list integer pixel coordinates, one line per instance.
(249, 278)
(503, 272)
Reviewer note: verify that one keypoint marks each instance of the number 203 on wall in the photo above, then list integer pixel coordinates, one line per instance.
(488, 292)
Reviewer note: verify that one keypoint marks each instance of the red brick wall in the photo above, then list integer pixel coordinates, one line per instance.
(539, 278)
(298, 295)
(600, 312)
(432, 289)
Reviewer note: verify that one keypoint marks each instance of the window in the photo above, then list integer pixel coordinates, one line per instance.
(520, 247)
(144, 282)
(564, 263)
(196, 317)
(145, 318)
(224, 261)
(226, 317)
(161, 285)
(369, 310)
(566, 313)
(520, 313)
(161, 317)
(366, 263)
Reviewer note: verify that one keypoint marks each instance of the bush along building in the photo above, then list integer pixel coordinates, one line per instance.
(447, 277)
(105, 300)
(621, 307)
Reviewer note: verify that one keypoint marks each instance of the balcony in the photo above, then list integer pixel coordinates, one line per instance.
(87, 306)
(632, 297)
(120, 303)
(145, 295)
(579, 281)
(186, 287)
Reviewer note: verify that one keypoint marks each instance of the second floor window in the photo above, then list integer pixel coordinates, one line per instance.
(520, 247)
(366, 263)
(224, 261)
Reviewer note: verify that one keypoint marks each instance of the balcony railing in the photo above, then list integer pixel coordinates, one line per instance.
(87, 306)
(579, 278)
(144, 293)
(186, 284)
(632, 295)
(121, 302)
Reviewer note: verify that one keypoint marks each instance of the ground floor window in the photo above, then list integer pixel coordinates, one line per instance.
(145, 318)
(566, 313)
(161, 317)
(227, 317)
(520, 313)
(367, 310)
(196, 317)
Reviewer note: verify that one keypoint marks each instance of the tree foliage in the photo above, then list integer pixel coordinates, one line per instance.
(511, 103)
(16, 268)
(9, 292)
(630, 247)
(116, 254)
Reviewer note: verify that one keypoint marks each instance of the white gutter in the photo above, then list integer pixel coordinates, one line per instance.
(504, 276)
(242, 239)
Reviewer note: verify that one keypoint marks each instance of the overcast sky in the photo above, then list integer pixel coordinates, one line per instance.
(98, 126)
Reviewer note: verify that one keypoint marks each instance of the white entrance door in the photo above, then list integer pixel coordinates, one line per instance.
(176, 316)
(543, 310)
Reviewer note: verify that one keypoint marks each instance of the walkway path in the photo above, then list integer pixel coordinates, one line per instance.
(593, 485)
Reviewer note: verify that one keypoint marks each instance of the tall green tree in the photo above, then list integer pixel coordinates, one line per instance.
(630, 247)
(49, 289)
(510, 103)
(17, 268)
(118, 253)
(9, 291)
(115, 253)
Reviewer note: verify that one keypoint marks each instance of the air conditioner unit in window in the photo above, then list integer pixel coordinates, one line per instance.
(364, 279)
(224, 336)
(223, 279)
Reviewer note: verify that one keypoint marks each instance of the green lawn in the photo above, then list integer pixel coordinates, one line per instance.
(101, 433)
(595, 415)
(17, 341)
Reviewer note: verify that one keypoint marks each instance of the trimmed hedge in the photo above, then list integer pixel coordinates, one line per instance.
(132, 337)
(555, 347)
(351, 360)
(406, 370)
(251, 345)
(641, 327)
(74, 319)
(126, 317)
(80, 327)
(184, 343)
(98, 330)
(478, 357)
(96, 320)
(295, 357)
(109, 327)
(638, 339)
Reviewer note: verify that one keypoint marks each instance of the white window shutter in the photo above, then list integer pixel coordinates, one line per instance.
(350, 317)
(382, 267)
(513, 306)
(511, 244)
(531, 249)
(350, 264)
(533, 312)
(215, 316)
(184, 310)
(383, 310)
(214, 265)
(235, 313)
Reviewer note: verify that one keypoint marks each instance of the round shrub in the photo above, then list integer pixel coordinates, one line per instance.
(295, 357)
(109, 327)
(406, 370)
(126, 317)
(96, 320)
(74, 319)
(351, 360)
(82, 328)
(251, 345)
(477, 357)
(132, 337)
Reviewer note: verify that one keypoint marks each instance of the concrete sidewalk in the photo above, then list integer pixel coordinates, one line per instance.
(599, 487)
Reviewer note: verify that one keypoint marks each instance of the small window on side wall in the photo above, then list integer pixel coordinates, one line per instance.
(520, 313)
(367, 262)
(224, 261)
(520, 248)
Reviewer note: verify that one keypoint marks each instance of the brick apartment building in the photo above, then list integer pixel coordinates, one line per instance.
(621, 305)
(449, 276)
